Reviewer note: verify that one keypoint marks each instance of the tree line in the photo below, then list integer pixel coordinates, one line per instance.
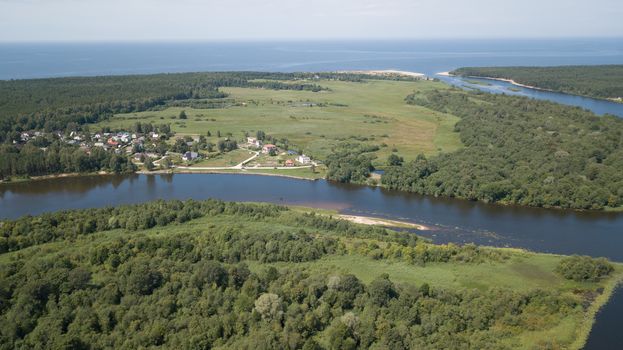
(519, 151)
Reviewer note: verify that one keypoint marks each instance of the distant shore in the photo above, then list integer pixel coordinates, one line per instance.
(513, 82)
(386, 72)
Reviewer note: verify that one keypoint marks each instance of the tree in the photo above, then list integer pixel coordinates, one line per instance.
(394, 160)
(381, 290)
(269, 306)
(183, 115)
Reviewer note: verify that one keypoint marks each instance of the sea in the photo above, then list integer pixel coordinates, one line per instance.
(43, 60)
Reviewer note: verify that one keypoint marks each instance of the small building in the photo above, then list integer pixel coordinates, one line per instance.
(139, 156)
(289, 163)
(252, 141)
(188, 156)
(269, 148)
(303, 159)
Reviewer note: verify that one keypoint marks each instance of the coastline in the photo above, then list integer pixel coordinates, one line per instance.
(386, 72)
(513, 82)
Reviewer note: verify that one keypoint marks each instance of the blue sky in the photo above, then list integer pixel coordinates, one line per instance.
(88, 20)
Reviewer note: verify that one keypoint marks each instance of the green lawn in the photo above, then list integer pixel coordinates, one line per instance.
(224, 159)
(315, 121)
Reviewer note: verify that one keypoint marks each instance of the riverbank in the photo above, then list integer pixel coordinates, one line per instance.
(591, 313)
(230, 172)
(368, 220)
(53, 176)
(511, 81)
(515, 83)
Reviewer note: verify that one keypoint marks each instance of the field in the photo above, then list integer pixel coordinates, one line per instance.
(314, 121)
(226, 159)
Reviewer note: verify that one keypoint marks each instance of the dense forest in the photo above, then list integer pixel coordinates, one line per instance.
(92, 279)
(350, 162)
(58, 157)
(520, 151)
(593, 81)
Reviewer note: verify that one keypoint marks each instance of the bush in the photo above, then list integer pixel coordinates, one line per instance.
(584, 268)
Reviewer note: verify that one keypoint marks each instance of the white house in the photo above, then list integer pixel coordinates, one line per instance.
(303, 159)
(269, 148)
(252, 141)
(188, 156)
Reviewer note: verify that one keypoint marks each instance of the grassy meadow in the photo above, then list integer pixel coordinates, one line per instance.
(315, 121)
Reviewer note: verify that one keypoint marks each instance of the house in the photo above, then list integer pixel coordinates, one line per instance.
(303, 159)
(98, 144)
(292, 153)
(252, 141)
(112, 142)
(289, 163)
(269, 148)
(188, 156)
(138, 156)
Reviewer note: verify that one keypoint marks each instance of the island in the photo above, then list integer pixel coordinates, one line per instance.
(598, 81)
(227, 275)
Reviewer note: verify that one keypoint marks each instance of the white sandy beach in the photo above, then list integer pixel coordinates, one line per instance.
(366, 220)
(386, 72)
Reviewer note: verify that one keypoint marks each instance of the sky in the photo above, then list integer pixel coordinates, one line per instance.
(170, 20)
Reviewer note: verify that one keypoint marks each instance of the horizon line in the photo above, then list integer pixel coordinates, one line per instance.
(310, 39)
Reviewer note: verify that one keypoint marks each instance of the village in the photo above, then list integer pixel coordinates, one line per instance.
(153, 147)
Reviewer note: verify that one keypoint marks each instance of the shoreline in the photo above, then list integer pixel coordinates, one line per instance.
(586, 327)
(618, 100)
(386, 72)
(57, 176)
(370, 220)
(224, 171)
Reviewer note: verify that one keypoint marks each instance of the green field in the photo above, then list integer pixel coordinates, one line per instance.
(315, 121)
(491, 297)
(224, 159)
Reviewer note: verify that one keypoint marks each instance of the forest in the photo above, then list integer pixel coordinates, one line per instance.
(519, 151)
(604, 81)
(213, 274)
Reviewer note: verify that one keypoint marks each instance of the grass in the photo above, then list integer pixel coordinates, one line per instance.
(224, 159)
(315, 121)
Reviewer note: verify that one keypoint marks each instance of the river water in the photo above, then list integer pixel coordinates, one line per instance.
(556, 231)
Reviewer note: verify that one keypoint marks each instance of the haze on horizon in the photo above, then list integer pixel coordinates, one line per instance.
(120, 20)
